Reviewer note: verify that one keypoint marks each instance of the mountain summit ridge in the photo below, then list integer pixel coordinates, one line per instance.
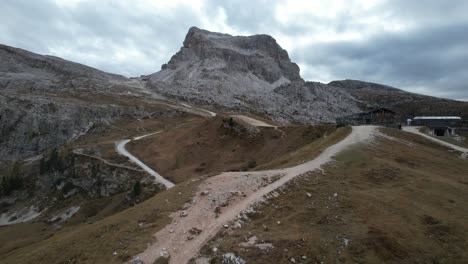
(246, 73)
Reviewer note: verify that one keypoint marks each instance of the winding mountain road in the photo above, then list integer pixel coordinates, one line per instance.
(120, 147)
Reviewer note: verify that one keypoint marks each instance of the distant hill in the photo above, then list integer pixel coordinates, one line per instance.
(405, 103)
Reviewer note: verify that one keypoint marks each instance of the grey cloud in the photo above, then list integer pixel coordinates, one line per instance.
(431, 55)
(97, 29)
(251, 16)
(426, 12)
(434, 58)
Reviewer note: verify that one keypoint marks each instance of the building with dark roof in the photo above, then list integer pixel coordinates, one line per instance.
(379, 116)
(438, 125)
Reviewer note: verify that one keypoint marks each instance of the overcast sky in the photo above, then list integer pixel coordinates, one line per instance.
(420, 46)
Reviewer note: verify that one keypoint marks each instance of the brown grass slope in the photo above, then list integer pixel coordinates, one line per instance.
(216, 145)
(95, 239)
(394, 204)
(126, 233)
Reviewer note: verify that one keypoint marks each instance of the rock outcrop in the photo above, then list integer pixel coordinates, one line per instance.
(246, 73)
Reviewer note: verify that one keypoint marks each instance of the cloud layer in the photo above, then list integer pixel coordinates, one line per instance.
(419, 46)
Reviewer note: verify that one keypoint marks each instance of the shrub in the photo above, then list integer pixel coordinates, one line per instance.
(52, 163)
(136, 191)
(252, 164)
(13, 181)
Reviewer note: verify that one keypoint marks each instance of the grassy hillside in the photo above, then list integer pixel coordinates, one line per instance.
(117, 237)
(215, 145)
(125, 233)
(385, 202)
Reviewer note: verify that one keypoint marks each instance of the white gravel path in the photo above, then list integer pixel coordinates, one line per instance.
(252, 121)
(120, 147)
(232, 193)
(211, 114)
(415, 130)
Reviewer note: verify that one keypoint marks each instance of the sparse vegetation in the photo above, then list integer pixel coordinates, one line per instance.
(252, 164)
(382, 203)
(53, 162)
(178, 153)
(308, 151)
(126, 232)
(13, 181)
(136, 190)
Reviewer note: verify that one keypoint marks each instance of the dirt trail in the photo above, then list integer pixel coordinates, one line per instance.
(210, 114)
(120, 146)
(225, 197)
(415, 130)
(252, 121)
(105, 161)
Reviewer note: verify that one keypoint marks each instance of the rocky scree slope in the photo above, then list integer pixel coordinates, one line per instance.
(407, 104)
(246, 73)
(46, 101)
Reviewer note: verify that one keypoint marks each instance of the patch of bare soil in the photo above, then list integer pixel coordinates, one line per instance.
(371, 206)
(220, 144)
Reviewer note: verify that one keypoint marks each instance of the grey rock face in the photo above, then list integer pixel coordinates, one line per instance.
(46, 102)
(29, 126)
(91, 178)
(40, 104)
(230, 258)
(246, 73)
(72, 178)
(318, 101)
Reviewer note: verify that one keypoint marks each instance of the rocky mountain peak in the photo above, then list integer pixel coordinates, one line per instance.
(258, 54)
(197, 37)
(250, 73)
(260, 43)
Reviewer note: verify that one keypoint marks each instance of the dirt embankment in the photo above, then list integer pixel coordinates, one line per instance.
(221, 144)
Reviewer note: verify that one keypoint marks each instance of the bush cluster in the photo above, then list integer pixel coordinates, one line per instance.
(13, 181)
